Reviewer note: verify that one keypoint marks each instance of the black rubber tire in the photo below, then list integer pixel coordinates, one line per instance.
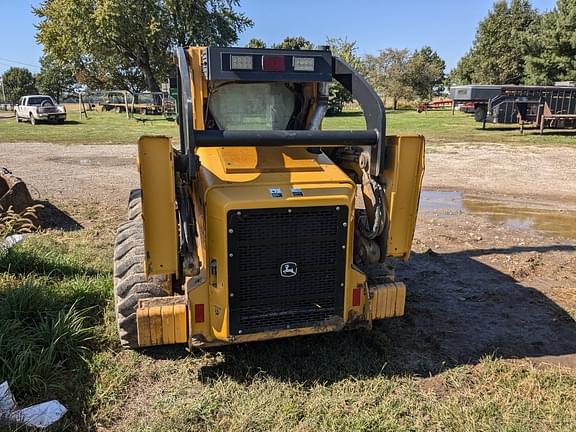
(130, 282)
(480, 113)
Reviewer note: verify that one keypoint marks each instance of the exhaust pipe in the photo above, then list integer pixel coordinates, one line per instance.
(321, 107)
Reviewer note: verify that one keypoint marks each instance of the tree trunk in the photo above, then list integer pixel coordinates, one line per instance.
(151, 83)
(395, 104)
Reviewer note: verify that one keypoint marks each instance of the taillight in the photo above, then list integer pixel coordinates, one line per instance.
(356, 296)
(199, 313)
(273, 63)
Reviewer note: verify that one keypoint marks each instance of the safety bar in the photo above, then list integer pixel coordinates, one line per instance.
(360, 89)
(291, 138)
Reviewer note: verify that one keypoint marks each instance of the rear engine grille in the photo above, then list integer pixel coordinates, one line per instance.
(287, 267)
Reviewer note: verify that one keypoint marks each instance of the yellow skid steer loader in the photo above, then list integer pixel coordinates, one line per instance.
(261, 225)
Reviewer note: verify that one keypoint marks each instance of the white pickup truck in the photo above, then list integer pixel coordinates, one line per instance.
(35, 108)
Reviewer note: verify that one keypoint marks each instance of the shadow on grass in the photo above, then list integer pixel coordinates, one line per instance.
(458, 311)
(24, 260)
(51, 217)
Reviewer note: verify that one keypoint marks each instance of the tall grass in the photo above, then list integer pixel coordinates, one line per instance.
(52, 309)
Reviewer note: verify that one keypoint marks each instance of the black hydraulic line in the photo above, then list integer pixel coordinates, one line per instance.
(293, 138)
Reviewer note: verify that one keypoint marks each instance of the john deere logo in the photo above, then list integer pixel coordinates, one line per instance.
(288, 269)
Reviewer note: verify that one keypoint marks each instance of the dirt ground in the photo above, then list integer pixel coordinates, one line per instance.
(494, 262)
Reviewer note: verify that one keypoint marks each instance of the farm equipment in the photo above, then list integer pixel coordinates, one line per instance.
(434, 105)
(261, 225)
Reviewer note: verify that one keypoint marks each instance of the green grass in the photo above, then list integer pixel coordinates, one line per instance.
(442, 126)
(439, 126)
(57, 340)
(99, 128)
(52, 309)
(492, 396)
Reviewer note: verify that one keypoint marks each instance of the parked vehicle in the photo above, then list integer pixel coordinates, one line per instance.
(35, 108)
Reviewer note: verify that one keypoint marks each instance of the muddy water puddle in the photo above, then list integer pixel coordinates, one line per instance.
(549, 221)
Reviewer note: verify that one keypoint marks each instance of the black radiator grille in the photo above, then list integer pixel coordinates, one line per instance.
(311, 242)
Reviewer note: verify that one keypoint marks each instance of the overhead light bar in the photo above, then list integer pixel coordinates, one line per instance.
(303, 64)
(241, 62)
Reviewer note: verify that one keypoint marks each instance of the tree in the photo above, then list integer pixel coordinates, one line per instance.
(127, 43)
(55, 77)
(554, 56)
(256, 43)
(347, 51)
(425, 70)
(502, 43)
(295, 43)
(388, 74)
(18, 82)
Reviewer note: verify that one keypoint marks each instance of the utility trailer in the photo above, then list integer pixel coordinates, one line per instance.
(477, 95)
(542, 106)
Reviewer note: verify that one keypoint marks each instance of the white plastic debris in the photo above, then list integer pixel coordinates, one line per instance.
(11, 241)
(41, 415)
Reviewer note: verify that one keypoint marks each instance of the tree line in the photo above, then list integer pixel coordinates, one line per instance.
(128, 44)
(515, 44)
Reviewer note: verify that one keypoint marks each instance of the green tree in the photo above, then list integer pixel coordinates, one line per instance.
(256, 43)
(503, 40)
(388, 74)
(18, 82)
(426, 72)
(347, 51)
(554, 56)
(294, 42)
(127, 43)
(55, 77)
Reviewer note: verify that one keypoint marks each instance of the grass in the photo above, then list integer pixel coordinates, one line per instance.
(440, 126)
(99, 128)
(52, 309)
(492, 396)
(57, 340)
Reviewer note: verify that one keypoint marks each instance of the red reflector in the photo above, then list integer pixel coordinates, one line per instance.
(199, 313)
(356, 295)
(273, 63)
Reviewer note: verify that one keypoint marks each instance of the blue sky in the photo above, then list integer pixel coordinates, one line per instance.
(448, 26)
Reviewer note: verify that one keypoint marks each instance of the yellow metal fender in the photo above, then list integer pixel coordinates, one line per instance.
(156, 167)
(403, 181)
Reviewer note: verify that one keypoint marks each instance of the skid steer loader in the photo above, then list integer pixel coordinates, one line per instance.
(261, 225)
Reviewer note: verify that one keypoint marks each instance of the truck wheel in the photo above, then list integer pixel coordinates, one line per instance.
(32, 120)
(480, 113)
(130, 282)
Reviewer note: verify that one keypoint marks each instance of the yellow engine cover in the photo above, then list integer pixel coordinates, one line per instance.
(287, 179)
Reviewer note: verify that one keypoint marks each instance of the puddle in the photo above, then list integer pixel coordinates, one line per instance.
(434, 200)
(557, 223)
(94, 161)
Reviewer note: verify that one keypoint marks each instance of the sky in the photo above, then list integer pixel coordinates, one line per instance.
(448, 26)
